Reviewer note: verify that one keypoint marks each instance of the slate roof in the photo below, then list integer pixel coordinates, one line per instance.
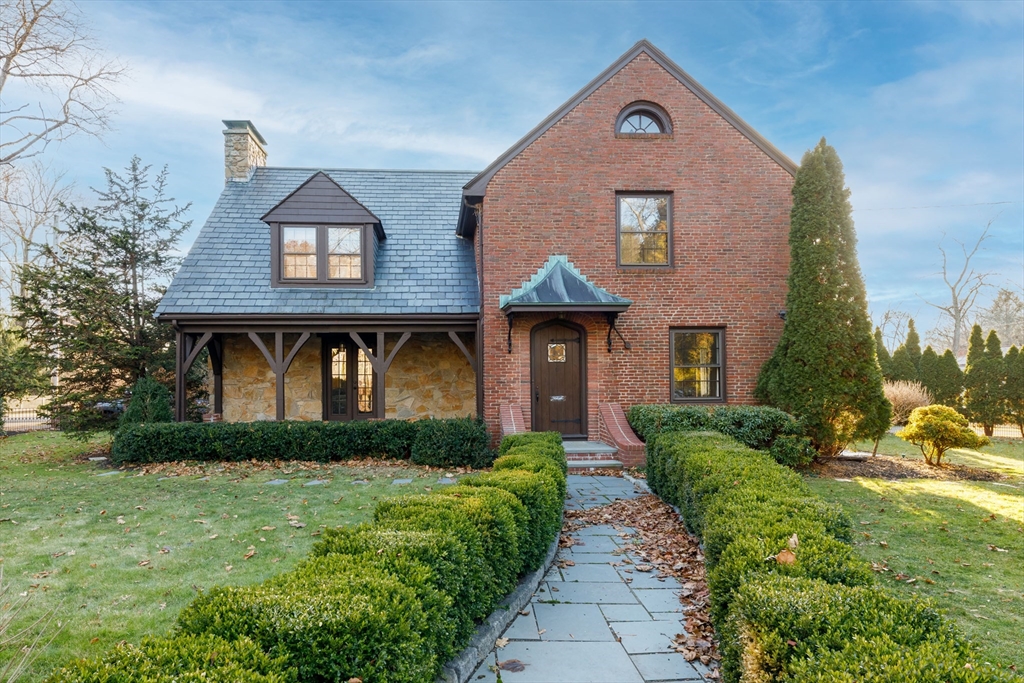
(560, 284)
(422, 267)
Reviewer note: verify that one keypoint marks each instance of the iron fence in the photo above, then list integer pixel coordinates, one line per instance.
(1000, 431)
(26, 420)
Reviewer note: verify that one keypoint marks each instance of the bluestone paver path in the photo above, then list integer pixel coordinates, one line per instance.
(599, 620)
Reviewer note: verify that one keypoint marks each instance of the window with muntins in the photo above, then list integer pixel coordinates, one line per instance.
(644, 230)
(349, 382)
(697, 365)
(642, 119)
(323, 254)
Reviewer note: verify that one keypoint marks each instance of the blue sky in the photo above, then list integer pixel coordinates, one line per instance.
(924, 101)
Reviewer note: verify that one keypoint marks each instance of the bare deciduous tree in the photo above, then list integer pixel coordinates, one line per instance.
(963, 293)
(1005, 315)
(894, 327)
(30, 199)
(54, 81)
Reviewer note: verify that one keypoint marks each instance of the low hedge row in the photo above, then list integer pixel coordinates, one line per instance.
(759, 427)
(446, 443)
(389, 601)
(790, 599)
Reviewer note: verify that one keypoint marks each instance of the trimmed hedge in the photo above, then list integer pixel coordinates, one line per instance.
(450, 442)
(758, 427)
(815, 615)
(180, 659)
(390, 601)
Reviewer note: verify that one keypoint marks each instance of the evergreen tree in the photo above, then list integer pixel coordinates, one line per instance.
(928, 372)
(902, 366)
(150, 402)
(90, 306)
(1013, 394)
(884, 360)
(949, 386)
(824, 369)
(19, 369)
(983, 380)
(913, 346)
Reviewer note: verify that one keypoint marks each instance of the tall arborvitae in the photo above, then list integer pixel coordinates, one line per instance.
(824, 369)
(983, 380)
(1013, 390)
(913, 346)
(884, 359)
(949, 386)
(902, 367)
(928, 372)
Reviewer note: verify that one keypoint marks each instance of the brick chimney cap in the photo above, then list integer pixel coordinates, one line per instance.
(246, 125)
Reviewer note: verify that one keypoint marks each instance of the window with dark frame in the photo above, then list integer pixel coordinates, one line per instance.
(644, 227)
(350, 381)
(311, 255)
(643, 119)
(697, 365)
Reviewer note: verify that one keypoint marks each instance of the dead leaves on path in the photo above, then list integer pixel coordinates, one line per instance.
(665, 545)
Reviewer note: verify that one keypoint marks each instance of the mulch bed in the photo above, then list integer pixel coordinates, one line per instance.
(664, 546)
(896, 467)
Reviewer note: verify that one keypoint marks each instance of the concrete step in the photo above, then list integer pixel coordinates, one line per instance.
(597, 448)
(594, 464)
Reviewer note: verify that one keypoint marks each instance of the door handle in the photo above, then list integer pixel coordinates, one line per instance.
(536, 394)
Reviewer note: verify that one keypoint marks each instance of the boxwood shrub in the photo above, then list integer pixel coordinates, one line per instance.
(450, 442)
(389, 601)
(335, 618)
(758, 427)
(177, 659)
(814, 616)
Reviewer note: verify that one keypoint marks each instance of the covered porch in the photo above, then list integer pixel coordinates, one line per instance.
(333, 369)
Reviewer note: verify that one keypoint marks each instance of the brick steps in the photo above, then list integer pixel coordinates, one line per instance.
(585, 455)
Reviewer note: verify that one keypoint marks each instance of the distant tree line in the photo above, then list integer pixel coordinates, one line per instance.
(988, 391)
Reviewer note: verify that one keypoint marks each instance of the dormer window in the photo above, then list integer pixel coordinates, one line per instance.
(642, 119)
(321, 236)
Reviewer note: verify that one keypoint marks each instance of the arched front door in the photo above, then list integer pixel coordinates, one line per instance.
(558, 367)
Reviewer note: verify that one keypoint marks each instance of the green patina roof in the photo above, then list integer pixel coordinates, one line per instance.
(559, 285)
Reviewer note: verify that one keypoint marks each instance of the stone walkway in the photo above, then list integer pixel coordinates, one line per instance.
(595, 622)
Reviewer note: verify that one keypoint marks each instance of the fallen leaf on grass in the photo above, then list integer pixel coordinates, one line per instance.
(143, 563)
(513, 665)
(268, 528)
(214, 536)
(297, 525)
(252, 551)
(228, 567)
(997, 549)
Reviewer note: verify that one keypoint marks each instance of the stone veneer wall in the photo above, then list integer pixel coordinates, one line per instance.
(429, 378)
(249, 391)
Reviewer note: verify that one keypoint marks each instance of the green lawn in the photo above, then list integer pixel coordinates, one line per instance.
(958, 542)
(119, 555)
(1002, 455)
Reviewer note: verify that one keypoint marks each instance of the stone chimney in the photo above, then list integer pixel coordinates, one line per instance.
(244, 150)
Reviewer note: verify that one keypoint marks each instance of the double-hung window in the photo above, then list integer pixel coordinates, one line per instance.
(644, 229)
(698, 365)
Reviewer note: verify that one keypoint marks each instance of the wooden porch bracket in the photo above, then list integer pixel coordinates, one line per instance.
(279, 363)
(379, 363)
(454, 336)
(187, 349)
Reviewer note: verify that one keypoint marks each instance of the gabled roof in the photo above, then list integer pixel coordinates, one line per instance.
(478, 185)
(560, 286)
(321, 200)
(422, 268)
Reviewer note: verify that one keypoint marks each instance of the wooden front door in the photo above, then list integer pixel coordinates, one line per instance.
(557, 360)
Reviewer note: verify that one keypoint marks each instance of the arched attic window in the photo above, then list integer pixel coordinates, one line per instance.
(643, 118)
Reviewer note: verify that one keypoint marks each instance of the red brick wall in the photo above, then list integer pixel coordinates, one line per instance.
(731, 207)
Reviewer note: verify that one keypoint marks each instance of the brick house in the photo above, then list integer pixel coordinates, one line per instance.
(632, 248)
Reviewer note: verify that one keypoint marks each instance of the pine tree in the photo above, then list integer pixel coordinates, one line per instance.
(949, 386)
(1013, 394)
(884, 359)
(824, 369)
(90, 306)
(983, 380)
(150, 402)
(928, 372)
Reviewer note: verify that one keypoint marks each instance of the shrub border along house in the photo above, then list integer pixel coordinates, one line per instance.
(386, 602)
(451, 442)
(789, 598)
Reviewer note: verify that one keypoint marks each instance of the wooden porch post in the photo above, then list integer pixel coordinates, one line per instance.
(380, 363)
(217, 361)
(279, 364)
(179, 376)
